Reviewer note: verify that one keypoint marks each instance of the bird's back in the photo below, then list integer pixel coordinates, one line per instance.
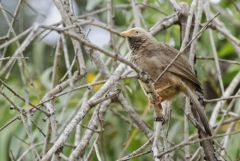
(153, 58)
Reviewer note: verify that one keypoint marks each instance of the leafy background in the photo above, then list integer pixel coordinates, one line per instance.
(119, 136)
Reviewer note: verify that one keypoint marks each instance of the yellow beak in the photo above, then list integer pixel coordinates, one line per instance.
(125, 34)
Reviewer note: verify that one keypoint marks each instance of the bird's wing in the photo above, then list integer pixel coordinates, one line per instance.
(180, 67)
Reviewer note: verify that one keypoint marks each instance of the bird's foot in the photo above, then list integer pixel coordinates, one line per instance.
(160, 119)
(144, 77)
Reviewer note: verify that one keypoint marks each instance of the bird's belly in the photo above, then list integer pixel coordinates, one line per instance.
(166, 88)
(168, 92)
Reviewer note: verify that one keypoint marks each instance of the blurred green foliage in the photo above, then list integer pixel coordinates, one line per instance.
(119, 136)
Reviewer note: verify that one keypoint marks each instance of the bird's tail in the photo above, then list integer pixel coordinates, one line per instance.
(199, 105)
(204, 130)
(200, 97)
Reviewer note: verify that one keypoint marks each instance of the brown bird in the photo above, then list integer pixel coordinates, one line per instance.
(152, 57)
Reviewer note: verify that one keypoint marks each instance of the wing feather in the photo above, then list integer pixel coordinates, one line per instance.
(180, 67)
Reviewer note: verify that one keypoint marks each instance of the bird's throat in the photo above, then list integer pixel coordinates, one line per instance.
(135, 43)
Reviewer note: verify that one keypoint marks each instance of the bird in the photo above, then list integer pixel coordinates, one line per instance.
(152, 57)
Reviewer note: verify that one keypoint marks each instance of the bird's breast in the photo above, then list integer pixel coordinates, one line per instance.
(147, 65)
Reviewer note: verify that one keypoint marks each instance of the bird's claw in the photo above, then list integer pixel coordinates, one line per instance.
(160, 118)
(144, 76)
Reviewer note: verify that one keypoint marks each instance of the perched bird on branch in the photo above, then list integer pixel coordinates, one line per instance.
(152, 57)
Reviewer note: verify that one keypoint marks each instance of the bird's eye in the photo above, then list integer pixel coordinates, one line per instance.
(136, 32)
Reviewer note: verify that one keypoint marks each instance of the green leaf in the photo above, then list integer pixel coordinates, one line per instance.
(120, 18)
(226, 50)
(230, 74)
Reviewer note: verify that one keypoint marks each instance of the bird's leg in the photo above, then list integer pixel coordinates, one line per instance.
(158, 109)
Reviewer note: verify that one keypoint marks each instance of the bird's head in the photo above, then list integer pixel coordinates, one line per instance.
(137, 33)
(136, 37)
